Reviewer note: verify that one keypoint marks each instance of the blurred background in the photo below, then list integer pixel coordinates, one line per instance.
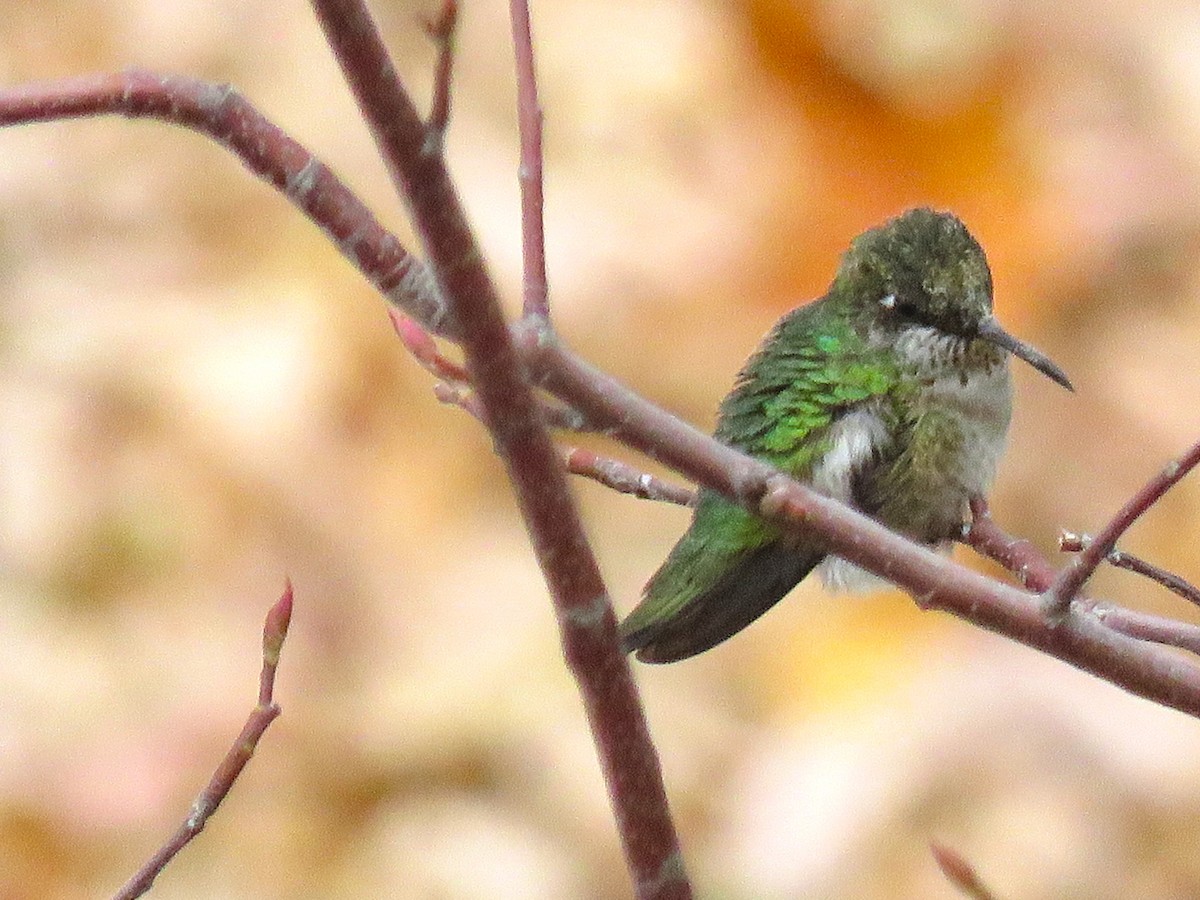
(200, 397)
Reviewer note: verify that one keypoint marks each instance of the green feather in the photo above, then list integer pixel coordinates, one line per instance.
(731, 566)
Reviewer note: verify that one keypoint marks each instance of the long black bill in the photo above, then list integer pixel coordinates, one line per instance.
(991, 331)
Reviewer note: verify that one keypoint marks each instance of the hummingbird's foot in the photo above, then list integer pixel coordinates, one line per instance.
(775, 498)
(980, 514)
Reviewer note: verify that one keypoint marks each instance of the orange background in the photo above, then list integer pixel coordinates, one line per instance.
(199, 397)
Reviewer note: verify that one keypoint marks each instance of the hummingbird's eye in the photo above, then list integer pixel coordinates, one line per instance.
(905, 308)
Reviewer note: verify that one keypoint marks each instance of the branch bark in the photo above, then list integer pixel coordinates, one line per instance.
(221, 113)
(586, 620)
(1072, 578)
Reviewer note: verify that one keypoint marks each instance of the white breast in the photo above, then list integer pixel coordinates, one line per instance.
(981, 404)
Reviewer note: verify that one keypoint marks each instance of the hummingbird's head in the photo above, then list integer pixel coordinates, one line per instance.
(923, 270)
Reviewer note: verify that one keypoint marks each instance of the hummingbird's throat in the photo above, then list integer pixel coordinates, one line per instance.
(932, 353)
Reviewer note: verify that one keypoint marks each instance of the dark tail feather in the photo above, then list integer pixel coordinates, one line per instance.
(739, 597)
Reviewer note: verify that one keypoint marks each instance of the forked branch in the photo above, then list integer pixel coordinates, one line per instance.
(1069, 542)
(1071, 579)
(219, 113)
(510, 409)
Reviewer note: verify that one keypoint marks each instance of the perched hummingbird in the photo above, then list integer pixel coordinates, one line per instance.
(891, 393)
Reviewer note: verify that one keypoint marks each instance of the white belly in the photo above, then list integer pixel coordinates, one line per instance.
(979, 409)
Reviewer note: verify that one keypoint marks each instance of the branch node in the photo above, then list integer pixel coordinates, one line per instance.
(1058, 598)
(776, 496)
(588, 615)
(623, 478)
(1052, 608)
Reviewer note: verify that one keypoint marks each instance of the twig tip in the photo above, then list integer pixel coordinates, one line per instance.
(279, 618)
(958, 871)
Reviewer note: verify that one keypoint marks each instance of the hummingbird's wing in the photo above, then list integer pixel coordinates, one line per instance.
(731, 566)
(727, 570)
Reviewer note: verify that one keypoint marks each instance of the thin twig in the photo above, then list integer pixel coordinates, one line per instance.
(959, 872)
(421, 345)
(1057, 599)
(612, 473)
(1146, 627)
(442, 32)
(1015, 555)
(221, 113)
(1025, 561)
(274, 631)
(463, 397)
(586, 620)
(530, 173)
(454, 389)
(553, 413)
(624, 478)
(1069, 542)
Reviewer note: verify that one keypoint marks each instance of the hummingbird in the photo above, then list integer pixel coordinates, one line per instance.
(891, 393)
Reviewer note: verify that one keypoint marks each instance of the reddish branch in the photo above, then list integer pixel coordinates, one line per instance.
(1025, 561)
(935, 582)
(1071, 579)
(423, 348)
(274, 631)
(441, 32)
(1016, 555)
(960, 873)
(529, 120)
(624, 478)
(510, 409)
(221, 113)
(1121, 559)
(454, 385)
(632, 420)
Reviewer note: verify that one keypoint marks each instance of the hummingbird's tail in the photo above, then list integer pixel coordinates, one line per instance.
(725, 572)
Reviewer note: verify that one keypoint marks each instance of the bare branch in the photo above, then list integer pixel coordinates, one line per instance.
(1024, 560)
(461, 396)
(585, 615)
(1069, 542)
(624, 478)
(959, 872)
(421, 345)
(221, 113)
(1058, 598)
(274, 632)
(936, 582)
(1146, 627)
(442, 33)
(1016, 555)
(455, 387)
(529, 120)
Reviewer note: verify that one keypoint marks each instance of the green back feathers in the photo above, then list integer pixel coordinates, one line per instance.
(730, 565)
(812, 368)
